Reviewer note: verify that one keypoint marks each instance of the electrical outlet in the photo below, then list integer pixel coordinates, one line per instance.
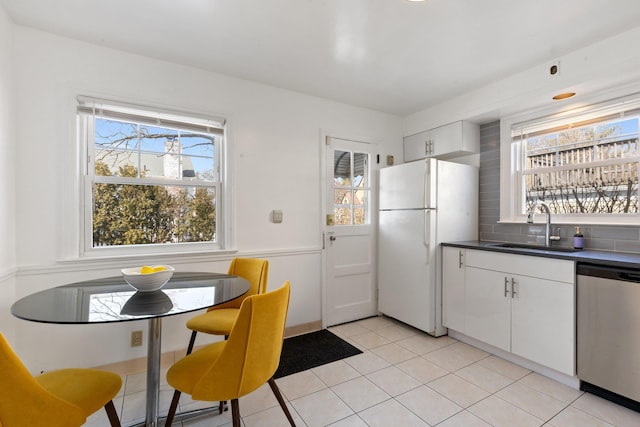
(136, 338)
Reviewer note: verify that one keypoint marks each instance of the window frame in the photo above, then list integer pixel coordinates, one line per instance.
(511, 182)
(166, 118)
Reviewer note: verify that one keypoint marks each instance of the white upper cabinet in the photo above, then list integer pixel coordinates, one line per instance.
(444, 142)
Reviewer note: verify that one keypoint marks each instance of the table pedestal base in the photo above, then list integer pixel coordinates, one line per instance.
(154, 354)
(188, 415)
(153, 371)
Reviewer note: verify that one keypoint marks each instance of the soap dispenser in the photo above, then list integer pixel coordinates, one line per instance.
(578, 239)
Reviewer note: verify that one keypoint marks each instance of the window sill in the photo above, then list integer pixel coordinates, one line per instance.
(102, 259)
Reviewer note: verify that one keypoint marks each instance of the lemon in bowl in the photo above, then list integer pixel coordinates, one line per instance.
(148, 278)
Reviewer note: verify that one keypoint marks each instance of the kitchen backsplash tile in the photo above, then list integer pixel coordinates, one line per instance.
(616, 233)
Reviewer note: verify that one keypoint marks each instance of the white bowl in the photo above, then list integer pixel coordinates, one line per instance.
(147, 282)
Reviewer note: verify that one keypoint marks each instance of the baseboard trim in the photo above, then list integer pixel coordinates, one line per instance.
(305, 328)
(570, 381)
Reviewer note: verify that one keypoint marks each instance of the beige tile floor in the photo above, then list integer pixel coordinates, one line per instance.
(403, 378)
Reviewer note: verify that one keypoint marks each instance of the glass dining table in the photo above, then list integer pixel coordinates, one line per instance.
(113, 300)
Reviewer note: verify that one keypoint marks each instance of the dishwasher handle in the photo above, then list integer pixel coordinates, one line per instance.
(608, 272)
(630, 276)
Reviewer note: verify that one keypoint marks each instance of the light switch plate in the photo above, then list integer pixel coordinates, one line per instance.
(276, 216)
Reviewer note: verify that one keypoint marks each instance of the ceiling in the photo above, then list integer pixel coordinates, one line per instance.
(394, 56)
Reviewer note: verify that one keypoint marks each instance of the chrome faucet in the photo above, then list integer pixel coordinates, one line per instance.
(547, 231)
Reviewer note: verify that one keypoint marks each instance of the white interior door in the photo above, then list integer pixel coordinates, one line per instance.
(350, 273)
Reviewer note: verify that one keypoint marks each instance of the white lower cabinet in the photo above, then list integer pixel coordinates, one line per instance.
(488, 316)
(521, 304)
(453, 289)
(543, 323)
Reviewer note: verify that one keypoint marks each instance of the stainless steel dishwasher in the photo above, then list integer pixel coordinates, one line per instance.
(608, 331)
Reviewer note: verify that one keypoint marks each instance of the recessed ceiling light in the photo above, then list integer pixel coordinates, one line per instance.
(565, 95)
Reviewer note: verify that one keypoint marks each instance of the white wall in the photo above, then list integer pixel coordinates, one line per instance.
(275, 140)
(7, 175)
(604, 69)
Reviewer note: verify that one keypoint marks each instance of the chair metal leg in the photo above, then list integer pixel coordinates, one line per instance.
(235, 412)
(283, 404)
(112, 414)
(192, 341)
(172, 408)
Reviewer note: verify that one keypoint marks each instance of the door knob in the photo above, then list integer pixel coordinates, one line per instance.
(332, 238)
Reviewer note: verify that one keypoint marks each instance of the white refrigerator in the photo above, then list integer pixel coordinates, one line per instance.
(421, 204)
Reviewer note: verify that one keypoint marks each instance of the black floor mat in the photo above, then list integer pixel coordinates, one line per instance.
(310, 350)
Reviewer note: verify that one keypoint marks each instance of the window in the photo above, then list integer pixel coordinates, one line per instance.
(151, 178)
(583, 165)
(351, 188)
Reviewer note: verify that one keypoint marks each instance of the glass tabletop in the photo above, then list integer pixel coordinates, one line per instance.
(111, 299)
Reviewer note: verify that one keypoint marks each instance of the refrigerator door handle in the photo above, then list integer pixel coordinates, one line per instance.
(425, 194)
(426, 229)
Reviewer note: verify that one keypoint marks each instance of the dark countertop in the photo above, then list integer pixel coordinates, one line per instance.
(614, 259)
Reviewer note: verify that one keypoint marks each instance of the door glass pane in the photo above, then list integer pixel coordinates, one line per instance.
(342, 168)
(360, 170)
(360, 210)
(351, 188)
(342, 215)
(359, 216)
(342, 197)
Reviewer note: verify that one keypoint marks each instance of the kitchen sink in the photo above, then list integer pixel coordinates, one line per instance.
(535, 247)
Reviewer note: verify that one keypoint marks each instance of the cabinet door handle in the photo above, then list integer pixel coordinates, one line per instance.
(513, 288)
(506, 286)
(428, 147)
(460, 260)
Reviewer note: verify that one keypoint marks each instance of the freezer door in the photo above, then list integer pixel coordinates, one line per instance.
(408, 186)
(406, 267)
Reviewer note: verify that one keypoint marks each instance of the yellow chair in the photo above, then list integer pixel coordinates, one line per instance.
(228, 370)
(62, 398)
(219, 320)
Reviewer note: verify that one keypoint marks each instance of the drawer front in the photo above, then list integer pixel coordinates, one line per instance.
(558, 270)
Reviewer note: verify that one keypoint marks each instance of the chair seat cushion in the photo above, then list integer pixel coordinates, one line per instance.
(186, 372)
(215, 322)
(88, 389)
